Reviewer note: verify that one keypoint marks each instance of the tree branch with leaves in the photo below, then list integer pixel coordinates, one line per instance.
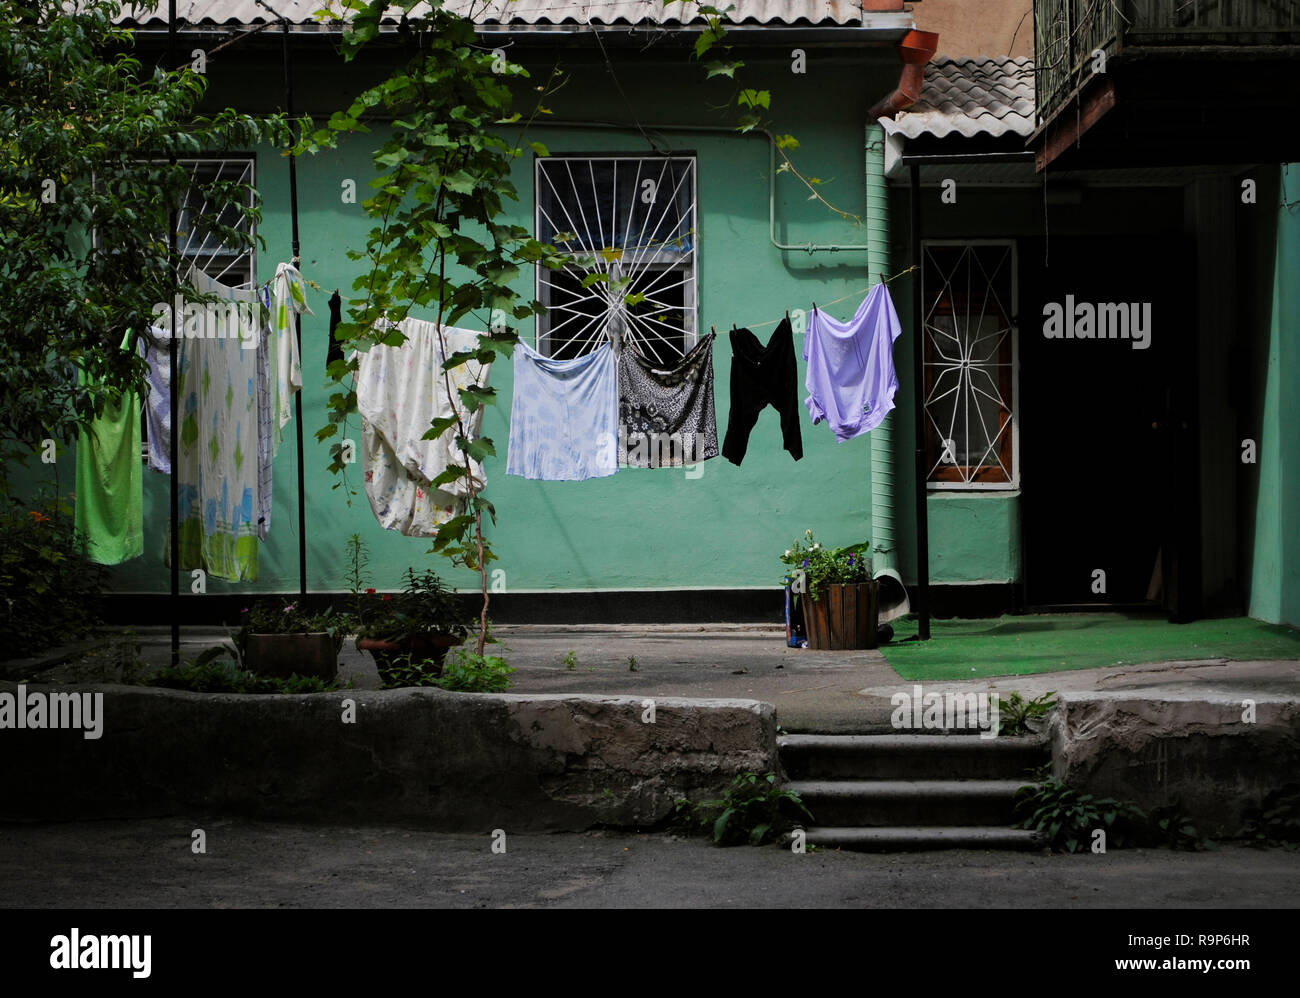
(88, 141)
(443, 177)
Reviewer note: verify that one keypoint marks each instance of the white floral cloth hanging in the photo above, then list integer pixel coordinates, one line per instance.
(400, 391)
(216, 464)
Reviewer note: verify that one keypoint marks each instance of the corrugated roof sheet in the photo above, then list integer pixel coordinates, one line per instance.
(553, 12)
(989, 96)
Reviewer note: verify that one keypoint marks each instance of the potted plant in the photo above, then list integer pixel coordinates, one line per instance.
(839, 599)
(282, 638)
(417, 625)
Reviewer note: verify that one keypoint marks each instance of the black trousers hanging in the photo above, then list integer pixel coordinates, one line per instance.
(763, 376)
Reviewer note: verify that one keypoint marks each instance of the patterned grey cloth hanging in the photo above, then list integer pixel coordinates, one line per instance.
(666, 415)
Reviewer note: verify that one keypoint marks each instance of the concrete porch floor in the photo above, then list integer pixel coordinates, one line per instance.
(834, 692)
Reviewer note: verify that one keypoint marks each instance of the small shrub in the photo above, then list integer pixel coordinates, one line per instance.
(1276, 821)
(1065, 819)
(217, 670)
(407, 670)
(467, 672)
(1169, 826)
(1018, 716)
(570, 661)
(49, 590)
(755, 810)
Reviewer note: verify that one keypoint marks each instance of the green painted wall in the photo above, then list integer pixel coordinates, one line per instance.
(974, 537)
(639, 529)
(660, 529)
(1275, 544)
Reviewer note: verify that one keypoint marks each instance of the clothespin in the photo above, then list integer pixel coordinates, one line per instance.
(713, 330)
(787, 315)
(814, 306)
(883, 280)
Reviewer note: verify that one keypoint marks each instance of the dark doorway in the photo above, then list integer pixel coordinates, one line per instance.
(1108, 483)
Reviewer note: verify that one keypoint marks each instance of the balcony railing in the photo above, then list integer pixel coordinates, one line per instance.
(1069, 32)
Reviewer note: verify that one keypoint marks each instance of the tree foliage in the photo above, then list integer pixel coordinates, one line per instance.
(88, 141)
(443, 175)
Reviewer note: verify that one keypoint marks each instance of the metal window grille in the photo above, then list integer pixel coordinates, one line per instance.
(633, 221)
(970, 365)
(234, 267)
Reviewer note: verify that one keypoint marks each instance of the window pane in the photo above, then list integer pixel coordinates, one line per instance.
(969, 356)
(637, 205)
(634, 220)
(211, 209)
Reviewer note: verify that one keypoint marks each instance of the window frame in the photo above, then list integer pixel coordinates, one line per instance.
(688, 264)
(931, 443)
(250, 255)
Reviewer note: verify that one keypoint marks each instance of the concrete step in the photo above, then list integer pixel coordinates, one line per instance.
(911, 757)
(915, 838)
(891, 803)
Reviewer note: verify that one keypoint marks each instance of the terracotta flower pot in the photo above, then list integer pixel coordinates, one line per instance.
(843, 618)
(281, 655)
(421, 647)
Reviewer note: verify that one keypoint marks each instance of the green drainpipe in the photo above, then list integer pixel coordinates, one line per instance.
(893, 596)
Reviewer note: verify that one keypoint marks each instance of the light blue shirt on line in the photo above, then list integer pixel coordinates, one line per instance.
(564, 416)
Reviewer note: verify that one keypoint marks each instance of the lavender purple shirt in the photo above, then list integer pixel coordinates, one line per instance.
(851, 380)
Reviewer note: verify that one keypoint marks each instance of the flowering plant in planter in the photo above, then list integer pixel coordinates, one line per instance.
(819, 566)
(282, 638)
(424, 606)
(416, 625)
(290, 617)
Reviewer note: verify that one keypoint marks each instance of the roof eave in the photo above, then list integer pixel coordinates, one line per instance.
(876, 29)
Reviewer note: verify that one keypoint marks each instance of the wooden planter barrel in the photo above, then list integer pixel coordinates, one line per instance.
(843, 618)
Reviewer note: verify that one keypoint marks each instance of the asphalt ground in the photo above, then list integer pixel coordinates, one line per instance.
(152, 864)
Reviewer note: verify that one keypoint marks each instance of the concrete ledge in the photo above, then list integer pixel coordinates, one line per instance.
(907, 839)
(1191, 749)
(449, 761)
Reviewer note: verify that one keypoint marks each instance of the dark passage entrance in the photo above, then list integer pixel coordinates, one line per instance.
(1109, 481)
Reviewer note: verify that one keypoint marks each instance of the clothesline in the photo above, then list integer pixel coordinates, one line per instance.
(836, 301)
(294, 262)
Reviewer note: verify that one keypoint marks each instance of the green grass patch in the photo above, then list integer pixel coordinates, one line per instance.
(1019, 646)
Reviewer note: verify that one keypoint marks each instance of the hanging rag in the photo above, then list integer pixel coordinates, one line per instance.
(762, 376)
(288, 298)
(851, 380)
(266, 419)
(335, 351)
(400, 391)
(109, 511)
(564, 416)
(666, 416)
(158, 407)
(216, 465)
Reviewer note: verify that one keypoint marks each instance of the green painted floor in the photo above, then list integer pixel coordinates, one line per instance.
(969, 649)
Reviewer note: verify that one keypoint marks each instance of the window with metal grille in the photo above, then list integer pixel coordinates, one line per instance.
(211, 208)
(631, 222)
(212, 204)
(968, 297)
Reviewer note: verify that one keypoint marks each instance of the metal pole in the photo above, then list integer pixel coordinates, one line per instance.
(174, 364)
(297, 320)
(918, 383)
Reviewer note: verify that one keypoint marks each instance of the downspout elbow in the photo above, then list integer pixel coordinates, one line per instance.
(916, 49)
